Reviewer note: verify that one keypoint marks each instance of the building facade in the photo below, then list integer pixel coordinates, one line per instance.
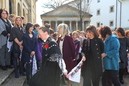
(113, 13)
(26, 8)
(66, 14)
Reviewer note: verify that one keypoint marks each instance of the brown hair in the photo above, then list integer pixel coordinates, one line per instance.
(1, 10)
(120, 30)
(105, 30)
(92, 29)
(45, 29)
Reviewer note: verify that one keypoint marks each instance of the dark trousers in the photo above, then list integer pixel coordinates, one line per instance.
(28, 71)
(122, 72)
(110, 77)
(91, 79)
(16, 63)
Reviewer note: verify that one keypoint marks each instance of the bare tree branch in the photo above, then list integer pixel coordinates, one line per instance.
(55, 3)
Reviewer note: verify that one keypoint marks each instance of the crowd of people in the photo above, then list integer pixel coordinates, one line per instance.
(104, 52)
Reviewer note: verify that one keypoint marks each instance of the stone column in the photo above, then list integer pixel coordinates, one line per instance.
(70, 25)
(49, 22)
(76, 25)
(56, 25)
(83, 25)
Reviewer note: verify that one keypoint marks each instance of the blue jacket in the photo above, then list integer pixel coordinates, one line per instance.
(111, 61)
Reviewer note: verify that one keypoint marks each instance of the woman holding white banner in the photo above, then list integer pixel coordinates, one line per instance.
(92, 49)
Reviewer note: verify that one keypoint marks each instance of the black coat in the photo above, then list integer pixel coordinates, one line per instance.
(92, 49)
(49, 74)
(29, 45)
(16, 32)
(124, 45)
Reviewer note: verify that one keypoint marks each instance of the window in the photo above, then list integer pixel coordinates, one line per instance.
(87, 1)
(98, 1)
(98, 12)
(112, 9)
(98, 24)
(111, 23)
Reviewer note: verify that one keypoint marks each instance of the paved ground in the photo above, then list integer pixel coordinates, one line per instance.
(9, 80)
(126, 79)
(4, 75)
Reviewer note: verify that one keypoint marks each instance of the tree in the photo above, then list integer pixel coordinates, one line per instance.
(83, 7)
(55, 3)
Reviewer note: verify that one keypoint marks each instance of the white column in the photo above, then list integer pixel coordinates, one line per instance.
(49, 22)
(83, 25)
(62, 21)
(76, 25)
(56, 25)
(70, 25)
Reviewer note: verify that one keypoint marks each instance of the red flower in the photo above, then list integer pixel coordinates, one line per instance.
(46, 46)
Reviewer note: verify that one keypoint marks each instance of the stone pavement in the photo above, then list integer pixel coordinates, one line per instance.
(4, 75)
(7, 78)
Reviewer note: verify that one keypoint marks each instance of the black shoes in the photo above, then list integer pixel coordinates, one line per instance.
(122, 81)
(3, 67)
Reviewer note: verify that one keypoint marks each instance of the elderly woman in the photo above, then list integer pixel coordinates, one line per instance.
(5, 29)
(67, 47)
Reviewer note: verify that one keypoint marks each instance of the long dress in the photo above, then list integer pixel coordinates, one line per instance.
(92, 67)
(49, 73)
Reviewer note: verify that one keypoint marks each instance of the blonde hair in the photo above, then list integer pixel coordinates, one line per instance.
(75, 33)
(65, 29)
(17, 17)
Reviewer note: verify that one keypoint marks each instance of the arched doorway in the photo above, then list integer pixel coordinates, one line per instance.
(19, 10)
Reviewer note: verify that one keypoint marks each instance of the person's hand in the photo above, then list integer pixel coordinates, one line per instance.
(83, 58)
(21, 47)
(103, 55)
(8, 35)
(66, 75)
(127, 54)
(20, 44)
(32, 54)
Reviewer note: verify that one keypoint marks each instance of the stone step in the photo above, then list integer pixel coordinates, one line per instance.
(12, 81)
(4, 75)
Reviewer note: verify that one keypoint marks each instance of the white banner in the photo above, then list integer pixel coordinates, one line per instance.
(75, 73)
(34, 66)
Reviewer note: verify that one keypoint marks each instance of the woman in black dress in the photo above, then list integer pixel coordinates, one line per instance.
(124, 45)
(16, 37)
(92, 49)
(49, 73)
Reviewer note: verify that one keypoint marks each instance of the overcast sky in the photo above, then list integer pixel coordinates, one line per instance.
(40, 10)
